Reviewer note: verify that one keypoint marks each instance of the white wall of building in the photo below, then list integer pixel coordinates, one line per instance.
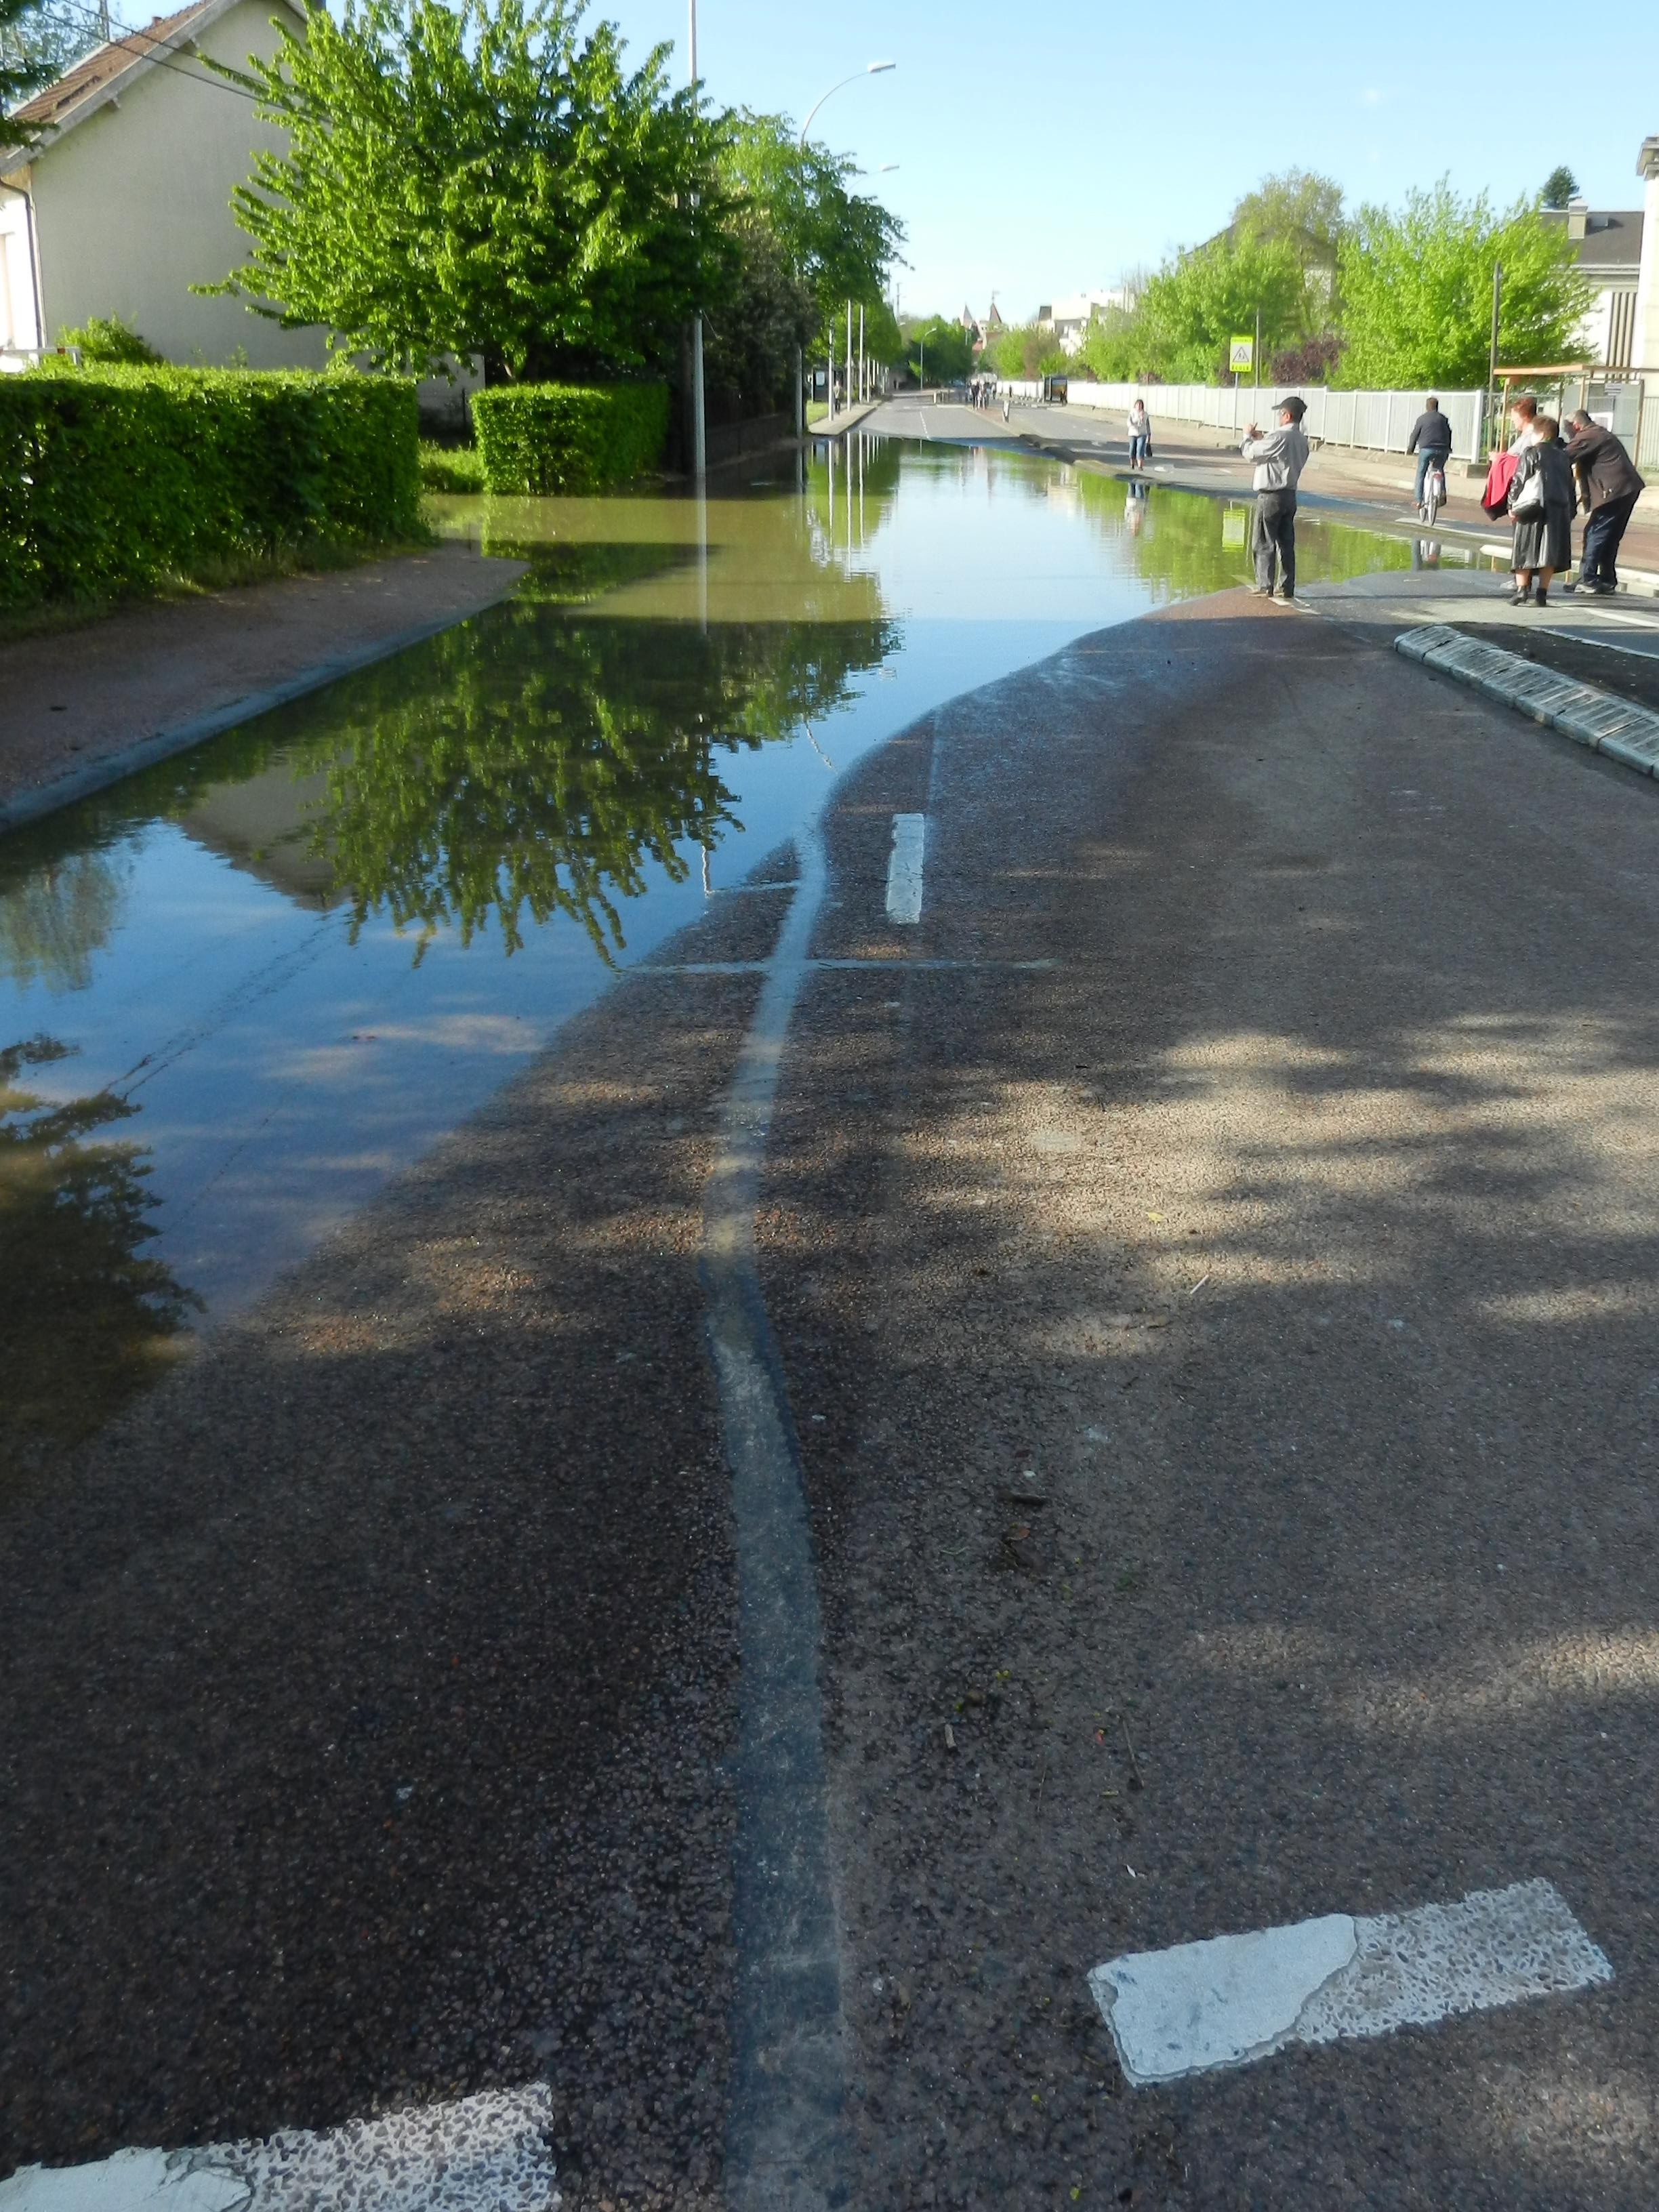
(132, 207)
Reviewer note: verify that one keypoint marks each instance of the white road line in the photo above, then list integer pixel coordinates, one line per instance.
(904, 869)
(1236, 1998)
(482, 2154)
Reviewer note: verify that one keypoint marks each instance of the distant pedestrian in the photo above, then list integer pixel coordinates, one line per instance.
(1609, 488)
(1140, 434)
(1431, 441)
(1280, 455)
(1541, 507)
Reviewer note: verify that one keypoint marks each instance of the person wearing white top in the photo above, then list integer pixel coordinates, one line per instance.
(1140, 435)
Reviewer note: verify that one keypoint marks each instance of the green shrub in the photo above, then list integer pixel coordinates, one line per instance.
(450, 468)
(106, 339)
(112, 480)
(568, 437)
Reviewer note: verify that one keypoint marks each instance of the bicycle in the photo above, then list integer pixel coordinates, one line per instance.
(1434, 493)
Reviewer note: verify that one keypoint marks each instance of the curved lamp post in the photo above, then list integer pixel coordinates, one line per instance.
(873, 69)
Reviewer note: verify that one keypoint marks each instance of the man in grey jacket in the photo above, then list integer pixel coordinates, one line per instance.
(1280, 455)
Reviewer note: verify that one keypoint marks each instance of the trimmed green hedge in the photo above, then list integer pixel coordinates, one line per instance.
(568, 437)
(114, 479)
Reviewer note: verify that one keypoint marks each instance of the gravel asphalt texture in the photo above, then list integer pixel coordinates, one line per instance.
(1221, 1363)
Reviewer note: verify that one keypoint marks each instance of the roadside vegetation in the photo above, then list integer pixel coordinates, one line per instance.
(1396, 297)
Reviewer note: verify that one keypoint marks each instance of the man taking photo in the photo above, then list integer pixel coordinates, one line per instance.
(1280, 455)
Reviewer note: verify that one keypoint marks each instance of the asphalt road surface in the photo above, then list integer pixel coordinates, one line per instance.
(1207, 1263)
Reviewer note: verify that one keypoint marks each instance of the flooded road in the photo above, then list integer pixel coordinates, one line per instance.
(241, 989)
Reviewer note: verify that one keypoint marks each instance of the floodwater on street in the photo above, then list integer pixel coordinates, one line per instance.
(241, 989)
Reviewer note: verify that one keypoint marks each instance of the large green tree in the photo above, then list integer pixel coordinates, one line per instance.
(803, 245)
(1298, 205)
(939, 351)
(487, 178)
(1416, 289)
(841, 243)
(1196, 302)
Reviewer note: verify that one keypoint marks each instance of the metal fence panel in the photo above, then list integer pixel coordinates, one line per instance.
(1370, 422)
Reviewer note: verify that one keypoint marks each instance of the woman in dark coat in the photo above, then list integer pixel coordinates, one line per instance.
(1542, 514)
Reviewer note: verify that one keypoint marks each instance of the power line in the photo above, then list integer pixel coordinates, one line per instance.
(153, 53)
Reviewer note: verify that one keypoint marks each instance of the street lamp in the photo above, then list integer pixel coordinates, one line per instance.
(872, 69)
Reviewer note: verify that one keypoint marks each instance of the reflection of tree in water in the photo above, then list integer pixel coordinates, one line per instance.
(1183, 542)
(547, 759)
(867, 480)
(55, 917)
(84, 1317)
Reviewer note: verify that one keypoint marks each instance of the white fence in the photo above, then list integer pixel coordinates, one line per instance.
(1379, 422)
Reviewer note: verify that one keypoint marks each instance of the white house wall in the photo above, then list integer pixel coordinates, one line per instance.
(133, 206)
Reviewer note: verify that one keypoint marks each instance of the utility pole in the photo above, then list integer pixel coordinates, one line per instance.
(1492, 361)
(699, 424)
(864, 366)
(849, 353)
(1256, 358)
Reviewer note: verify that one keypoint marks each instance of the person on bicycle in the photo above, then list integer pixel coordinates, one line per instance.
(1431, 441)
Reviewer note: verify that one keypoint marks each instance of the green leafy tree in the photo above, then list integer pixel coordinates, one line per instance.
(1298, 205)
(1025, 351)
(1196, 302)
(1417, 291)
(29, 60)
(483, 179)
(841, 243)
(939, 350)
(1559, 186)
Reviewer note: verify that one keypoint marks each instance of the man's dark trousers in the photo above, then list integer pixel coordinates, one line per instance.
(1275, 539)
(1602, 535)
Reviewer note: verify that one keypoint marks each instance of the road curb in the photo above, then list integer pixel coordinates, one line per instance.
(1579, 711)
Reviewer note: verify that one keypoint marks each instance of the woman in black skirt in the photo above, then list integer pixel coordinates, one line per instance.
(1542, 497)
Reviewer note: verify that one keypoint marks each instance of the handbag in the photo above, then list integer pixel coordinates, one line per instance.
(1530, 500)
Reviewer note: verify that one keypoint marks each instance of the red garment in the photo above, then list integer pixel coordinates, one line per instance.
(1496, 497)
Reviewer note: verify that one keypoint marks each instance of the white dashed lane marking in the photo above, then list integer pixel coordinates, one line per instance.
(482, 2154)
(904, 868)
(1235, 1998)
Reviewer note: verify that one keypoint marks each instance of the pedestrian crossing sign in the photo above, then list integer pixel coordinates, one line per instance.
(1241, 354)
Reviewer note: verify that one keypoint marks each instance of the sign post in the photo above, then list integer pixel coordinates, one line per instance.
(1240, 355)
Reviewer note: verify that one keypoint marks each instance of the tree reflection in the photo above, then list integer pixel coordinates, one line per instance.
(1187, 541)
(54, 917)
(542, 761)
(83, 1316)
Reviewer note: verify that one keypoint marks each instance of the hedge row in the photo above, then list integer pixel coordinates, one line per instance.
(112, 479)
(568, 437)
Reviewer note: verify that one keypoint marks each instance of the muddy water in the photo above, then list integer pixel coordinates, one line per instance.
(241, 990)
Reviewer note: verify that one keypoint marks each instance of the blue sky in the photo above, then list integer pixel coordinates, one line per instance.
(1046, 148)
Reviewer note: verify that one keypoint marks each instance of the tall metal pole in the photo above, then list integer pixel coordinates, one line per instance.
(800, 395)
(863, 364)
(849, 353)
(698, 421)
(1492, 361)
(829, 377)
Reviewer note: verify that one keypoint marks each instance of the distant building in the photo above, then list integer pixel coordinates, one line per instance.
(1608, 249)
(1069, 318)
(1644, 337)
(124, 201)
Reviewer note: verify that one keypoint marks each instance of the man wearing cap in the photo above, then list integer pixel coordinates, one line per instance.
(1280, 455)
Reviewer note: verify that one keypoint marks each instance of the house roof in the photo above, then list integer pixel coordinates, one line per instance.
(1611, 239)
(100, 75)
